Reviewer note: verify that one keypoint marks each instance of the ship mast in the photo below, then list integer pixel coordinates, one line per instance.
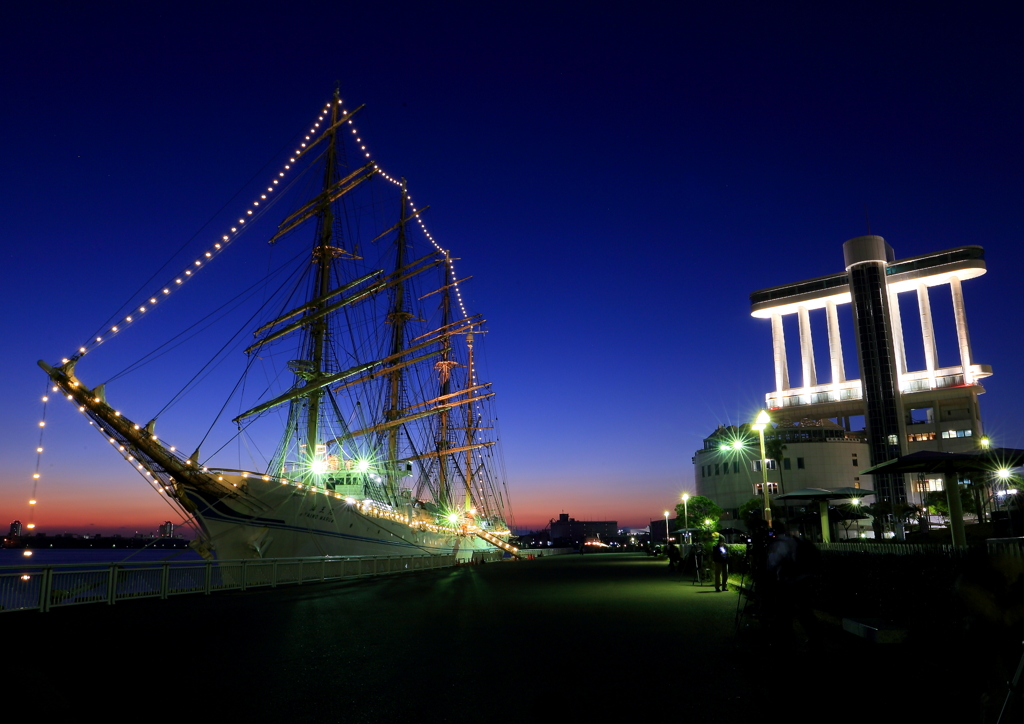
(444, 368)
(397, 318)
(323, 255)
(470, 421)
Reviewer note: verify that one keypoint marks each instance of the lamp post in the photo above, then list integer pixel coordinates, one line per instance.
(686, 519)
(667, 539)
(760, 424)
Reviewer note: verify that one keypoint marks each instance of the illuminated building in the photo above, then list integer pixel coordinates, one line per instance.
(904, 410)
(166, 530)
(817, 454)
(15, 529)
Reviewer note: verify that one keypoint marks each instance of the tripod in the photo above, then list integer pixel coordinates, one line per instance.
(1012, 694)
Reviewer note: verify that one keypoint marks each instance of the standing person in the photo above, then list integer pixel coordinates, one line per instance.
(793, 566)
(720, 561)
(673, 558)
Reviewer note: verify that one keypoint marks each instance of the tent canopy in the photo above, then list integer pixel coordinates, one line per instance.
(931, 461)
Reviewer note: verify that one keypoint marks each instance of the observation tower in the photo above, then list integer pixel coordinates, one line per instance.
(935, 408)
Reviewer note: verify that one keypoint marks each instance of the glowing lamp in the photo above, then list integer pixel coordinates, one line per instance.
(362, 465)
(1003, 473)
(761, 422)
(26, 553)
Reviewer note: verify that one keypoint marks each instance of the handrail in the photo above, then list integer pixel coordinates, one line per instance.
(29, 587)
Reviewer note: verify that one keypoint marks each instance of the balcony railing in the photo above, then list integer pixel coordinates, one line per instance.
(851, 389)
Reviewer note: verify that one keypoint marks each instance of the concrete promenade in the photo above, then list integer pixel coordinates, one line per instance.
(603, 636)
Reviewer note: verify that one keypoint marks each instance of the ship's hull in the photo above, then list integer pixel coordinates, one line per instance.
(268, 519)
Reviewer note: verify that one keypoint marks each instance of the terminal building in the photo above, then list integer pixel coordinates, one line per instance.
(904, 410)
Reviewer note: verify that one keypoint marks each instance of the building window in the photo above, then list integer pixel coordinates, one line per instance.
(716, 468)
(947, 434)
(755, 465)
(931, 485)
(855, 462)
(735, 467)
(702, 471)
(785, 463)
(773, 489)
(920, 436)
(800, 463)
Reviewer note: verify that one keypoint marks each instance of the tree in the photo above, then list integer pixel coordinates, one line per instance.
(752, 512)
(699, 508)
(881, 511)
(773, 449)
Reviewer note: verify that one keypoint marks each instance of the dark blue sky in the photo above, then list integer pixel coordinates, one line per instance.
(617, 180)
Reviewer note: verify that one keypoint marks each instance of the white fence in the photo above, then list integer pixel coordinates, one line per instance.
(42, 588)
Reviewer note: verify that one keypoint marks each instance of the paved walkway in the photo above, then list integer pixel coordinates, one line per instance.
(595, 638)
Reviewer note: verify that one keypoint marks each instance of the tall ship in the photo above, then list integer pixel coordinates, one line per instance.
(359, 422)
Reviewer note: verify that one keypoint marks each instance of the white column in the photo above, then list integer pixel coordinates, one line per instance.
(931, 355)
(806, 348)
(961, 328)
(897, 335)
(835, 347)
(781, 365)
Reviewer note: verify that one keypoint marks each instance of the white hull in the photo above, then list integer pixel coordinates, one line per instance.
(271, 519)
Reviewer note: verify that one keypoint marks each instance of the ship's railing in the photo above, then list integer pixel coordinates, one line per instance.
(42, 588)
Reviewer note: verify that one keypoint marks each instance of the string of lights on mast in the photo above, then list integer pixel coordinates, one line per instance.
(201, 263)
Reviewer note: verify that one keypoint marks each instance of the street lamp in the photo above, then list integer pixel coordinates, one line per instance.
(760, 424)
(667, 539)
(686, 518)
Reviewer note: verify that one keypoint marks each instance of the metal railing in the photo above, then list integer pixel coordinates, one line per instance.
(42, 588)
(1013, 547)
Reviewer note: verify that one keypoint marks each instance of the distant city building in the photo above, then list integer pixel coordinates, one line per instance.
(15, 529)
(935, 408)
(166, 530)
(579, 530)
